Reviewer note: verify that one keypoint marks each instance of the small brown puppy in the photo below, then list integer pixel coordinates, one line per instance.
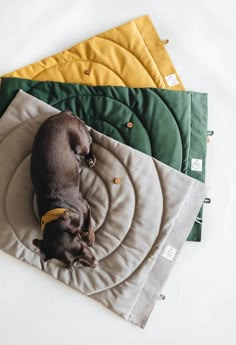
(60, 143)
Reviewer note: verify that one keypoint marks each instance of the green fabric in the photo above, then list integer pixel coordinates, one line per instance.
(169, 125)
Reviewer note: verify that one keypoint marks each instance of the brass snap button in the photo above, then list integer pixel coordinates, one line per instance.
(117, 180)
(166, 41)
(130, 124)
(87, 71)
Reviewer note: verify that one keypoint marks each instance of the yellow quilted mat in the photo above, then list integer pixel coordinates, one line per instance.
(130, 55)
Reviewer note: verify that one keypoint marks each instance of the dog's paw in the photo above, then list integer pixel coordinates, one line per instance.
(77, 157)
(90, 243)
(71, 267)
(91, 161)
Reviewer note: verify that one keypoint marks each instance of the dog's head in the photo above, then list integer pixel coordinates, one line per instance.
(66, 240)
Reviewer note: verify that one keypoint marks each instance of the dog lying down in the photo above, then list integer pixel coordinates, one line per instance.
(59, 145)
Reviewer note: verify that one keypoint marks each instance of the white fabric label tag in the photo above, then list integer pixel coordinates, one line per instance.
(172, 80)
(169, 253)
(196, 164)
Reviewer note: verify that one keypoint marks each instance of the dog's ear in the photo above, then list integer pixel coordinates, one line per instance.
(71, 222)
(88, 235)
(38, 244)
(89, 225)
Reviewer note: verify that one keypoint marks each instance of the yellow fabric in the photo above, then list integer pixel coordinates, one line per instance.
(130, 55)
(51, 215)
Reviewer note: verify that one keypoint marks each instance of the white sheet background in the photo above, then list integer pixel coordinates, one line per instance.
(200, 307)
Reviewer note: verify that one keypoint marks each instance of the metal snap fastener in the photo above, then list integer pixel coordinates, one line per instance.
(129, 124)
(166, 41)
(87, 71)
(117, 180)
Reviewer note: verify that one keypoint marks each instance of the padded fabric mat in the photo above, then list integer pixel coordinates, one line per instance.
(131, 54)
(141, 223)
(168, 125)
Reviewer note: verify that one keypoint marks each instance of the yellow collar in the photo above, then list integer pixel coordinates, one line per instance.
(51, 215)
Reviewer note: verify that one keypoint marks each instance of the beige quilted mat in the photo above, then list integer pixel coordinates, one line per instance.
(141, 223)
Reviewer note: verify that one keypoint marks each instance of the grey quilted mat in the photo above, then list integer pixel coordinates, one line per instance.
(141, 223)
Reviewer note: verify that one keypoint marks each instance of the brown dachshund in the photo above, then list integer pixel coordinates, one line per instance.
(59, 145)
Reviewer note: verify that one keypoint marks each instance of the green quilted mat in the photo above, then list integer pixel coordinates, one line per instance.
(170, 126)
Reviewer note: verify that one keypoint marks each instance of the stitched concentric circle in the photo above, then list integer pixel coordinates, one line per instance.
(156, 130)
(131, 54)
(140, 207)
(120, 212)
(169, 126)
